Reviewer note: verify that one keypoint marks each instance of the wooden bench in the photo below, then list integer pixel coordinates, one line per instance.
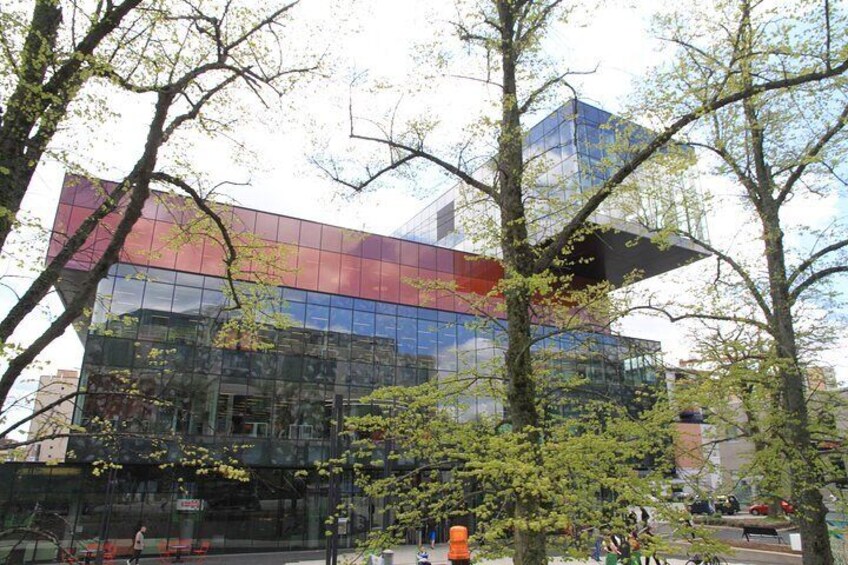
(761, 532)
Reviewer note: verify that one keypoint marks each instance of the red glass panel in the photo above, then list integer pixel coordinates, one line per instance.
(445, 260)
(391, 250)
(190, 257)
(331, 238)
(480, 286)
(427, 257)
(55, 246)
(464, 303)
(461, 264)
(213, 258)
(137, 246)
(370, 279)
(307, 268)
(90, 194)
(352, 242)
(78, 264)
(101, 240)
(409, 253)
(408, 292)
(477, 269)
(493, 271)
(151, 208)
(426, 297)
(389, 282)
(105, 231)
(172, 208)
(63, 218)
(163, 252)
(330, 272)
(446, 298)
(349, 275)
(78, 216)
(266, 226)
(463, 284)
(310, 235)
(66, 195)
(371, 247)
(244, 219)
(287, 271)
(288, 230)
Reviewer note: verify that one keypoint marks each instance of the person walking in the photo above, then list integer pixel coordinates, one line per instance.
(611, 548)
(649, 544)
(138, 545)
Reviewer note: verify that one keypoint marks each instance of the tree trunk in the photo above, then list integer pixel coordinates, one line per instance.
(39, 102)
(800, 453)
(529, 544)
(21, 115)
(139, 178)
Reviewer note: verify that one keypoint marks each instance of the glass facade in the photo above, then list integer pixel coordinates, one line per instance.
(158, 329)
(314, 256)
(277, 511)
(355, 321)
(572, 150)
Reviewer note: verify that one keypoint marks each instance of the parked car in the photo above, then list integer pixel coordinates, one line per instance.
(727, 505)
(700, 506)
(762, 508)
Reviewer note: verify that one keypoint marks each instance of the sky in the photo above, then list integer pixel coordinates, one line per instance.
(384, 40)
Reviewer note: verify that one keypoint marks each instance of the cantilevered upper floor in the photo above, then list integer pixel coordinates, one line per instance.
(568, 155)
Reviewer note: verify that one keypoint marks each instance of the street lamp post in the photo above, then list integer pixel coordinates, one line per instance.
(333, 486)
(107, 515)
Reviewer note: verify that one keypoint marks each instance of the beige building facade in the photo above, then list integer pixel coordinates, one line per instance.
(55, 420)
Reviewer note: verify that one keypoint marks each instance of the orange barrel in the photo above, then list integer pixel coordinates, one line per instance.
(458, 551)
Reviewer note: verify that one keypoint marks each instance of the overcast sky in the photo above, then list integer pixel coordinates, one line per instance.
(384, 38)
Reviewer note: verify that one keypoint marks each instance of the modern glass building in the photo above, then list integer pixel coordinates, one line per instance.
(569, 154)
(356, 320)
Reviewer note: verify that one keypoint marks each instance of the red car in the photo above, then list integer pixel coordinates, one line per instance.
(762, 509)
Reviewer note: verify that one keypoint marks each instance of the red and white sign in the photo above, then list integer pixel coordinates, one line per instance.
(189, 505)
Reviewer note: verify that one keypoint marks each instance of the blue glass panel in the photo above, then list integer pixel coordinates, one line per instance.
(342, 302)
(186, 300)
(427, 314)
(447, 346)
(385, 308)
(407, 335)
(317, 317)
(363, 305)
(341, 320)
(407, 311)
(386, 326)
(446, 316)
(296, 311)
(294, 295)
(426, 338)
(363, 323)
(161, 275)
(318, 298)
(189, 279)
(549, 123)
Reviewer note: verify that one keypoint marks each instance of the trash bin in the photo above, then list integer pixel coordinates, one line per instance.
(458, 552)
(388, 557)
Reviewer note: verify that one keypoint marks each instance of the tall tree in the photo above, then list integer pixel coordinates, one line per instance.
(186, 61)
(509, 35)
(44, 67)
(781, 148)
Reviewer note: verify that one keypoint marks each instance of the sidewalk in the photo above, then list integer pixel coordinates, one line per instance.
(405, 555)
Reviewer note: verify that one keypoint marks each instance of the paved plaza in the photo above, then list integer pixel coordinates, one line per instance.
(405, 555)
